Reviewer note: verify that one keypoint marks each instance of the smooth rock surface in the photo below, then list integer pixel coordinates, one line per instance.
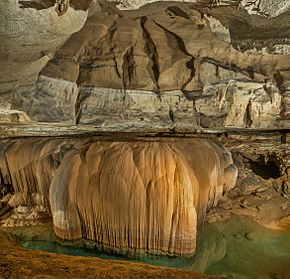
(29, 38)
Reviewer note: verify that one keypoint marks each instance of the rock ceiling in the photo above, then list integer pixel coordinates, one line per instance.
(166, 66)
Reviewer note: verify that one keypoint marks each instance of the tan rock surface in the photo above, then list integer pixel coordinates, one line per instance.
(179, 67)
(29, 39)
(81, 169)
(262, 191)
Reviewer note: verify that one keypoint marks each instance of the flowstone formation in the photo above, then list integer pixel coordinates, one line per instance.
(145, 196)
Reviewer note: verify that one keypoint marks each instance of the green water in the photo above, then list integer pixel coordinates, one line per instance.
(236, 248)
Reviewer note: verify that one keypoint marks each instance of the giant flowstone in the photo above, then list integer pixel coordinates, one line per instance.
(148, 196)
(127, 195)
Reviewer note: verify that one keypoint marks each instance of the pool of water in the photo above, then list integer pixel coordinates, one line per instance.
(236, 248)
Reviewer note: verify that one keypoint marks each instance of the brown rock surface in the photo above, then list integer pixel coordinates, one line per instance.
(204, 66)
(262, 191)
(169, 70)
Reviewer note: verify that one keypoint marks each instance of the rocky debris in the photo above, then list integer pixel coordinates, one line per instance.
(268, 8)
(262, 188)
(26, 216)
(61, 6)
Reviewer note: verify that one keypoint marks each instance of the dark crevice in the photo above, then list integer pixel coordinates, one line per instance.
(178, 12)
(182, 47)
(190, 65)
(61, 6)
(45, 4)
(279, 81)
(38, 5)
(179, 40)
(109, 39)
(129, 66)
(249, 71)
(82, 95)
(247, 118)
(171, 115)
(152, 52)
(265, 167)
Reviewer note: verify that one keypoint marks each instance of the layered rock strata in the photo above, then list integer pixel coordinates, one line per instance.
(172, 66)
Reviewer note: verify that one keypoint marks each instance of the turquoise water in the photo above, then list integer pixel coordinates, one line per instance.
(236, 248)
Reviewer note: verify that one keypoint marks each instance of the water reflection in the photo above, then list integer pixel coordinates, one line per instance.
(237, 248)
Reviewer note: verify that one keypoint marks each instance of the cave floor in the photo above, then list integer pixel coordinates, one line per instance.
(235, 248)
(17, 262)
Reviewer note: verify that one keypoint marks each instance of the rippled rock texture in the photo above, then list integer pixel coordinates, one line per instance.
(148, 196)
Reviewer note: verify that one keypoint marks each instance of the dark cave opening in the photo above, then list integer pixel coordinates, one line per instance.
(266, 167)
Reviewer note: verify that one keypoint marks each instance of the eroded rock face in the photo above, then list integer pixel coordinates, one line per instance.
(28, 168)
(29, 39)
(156, 72)
(144, 195)
(83, 184)
(167, 65)
(267, 8)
